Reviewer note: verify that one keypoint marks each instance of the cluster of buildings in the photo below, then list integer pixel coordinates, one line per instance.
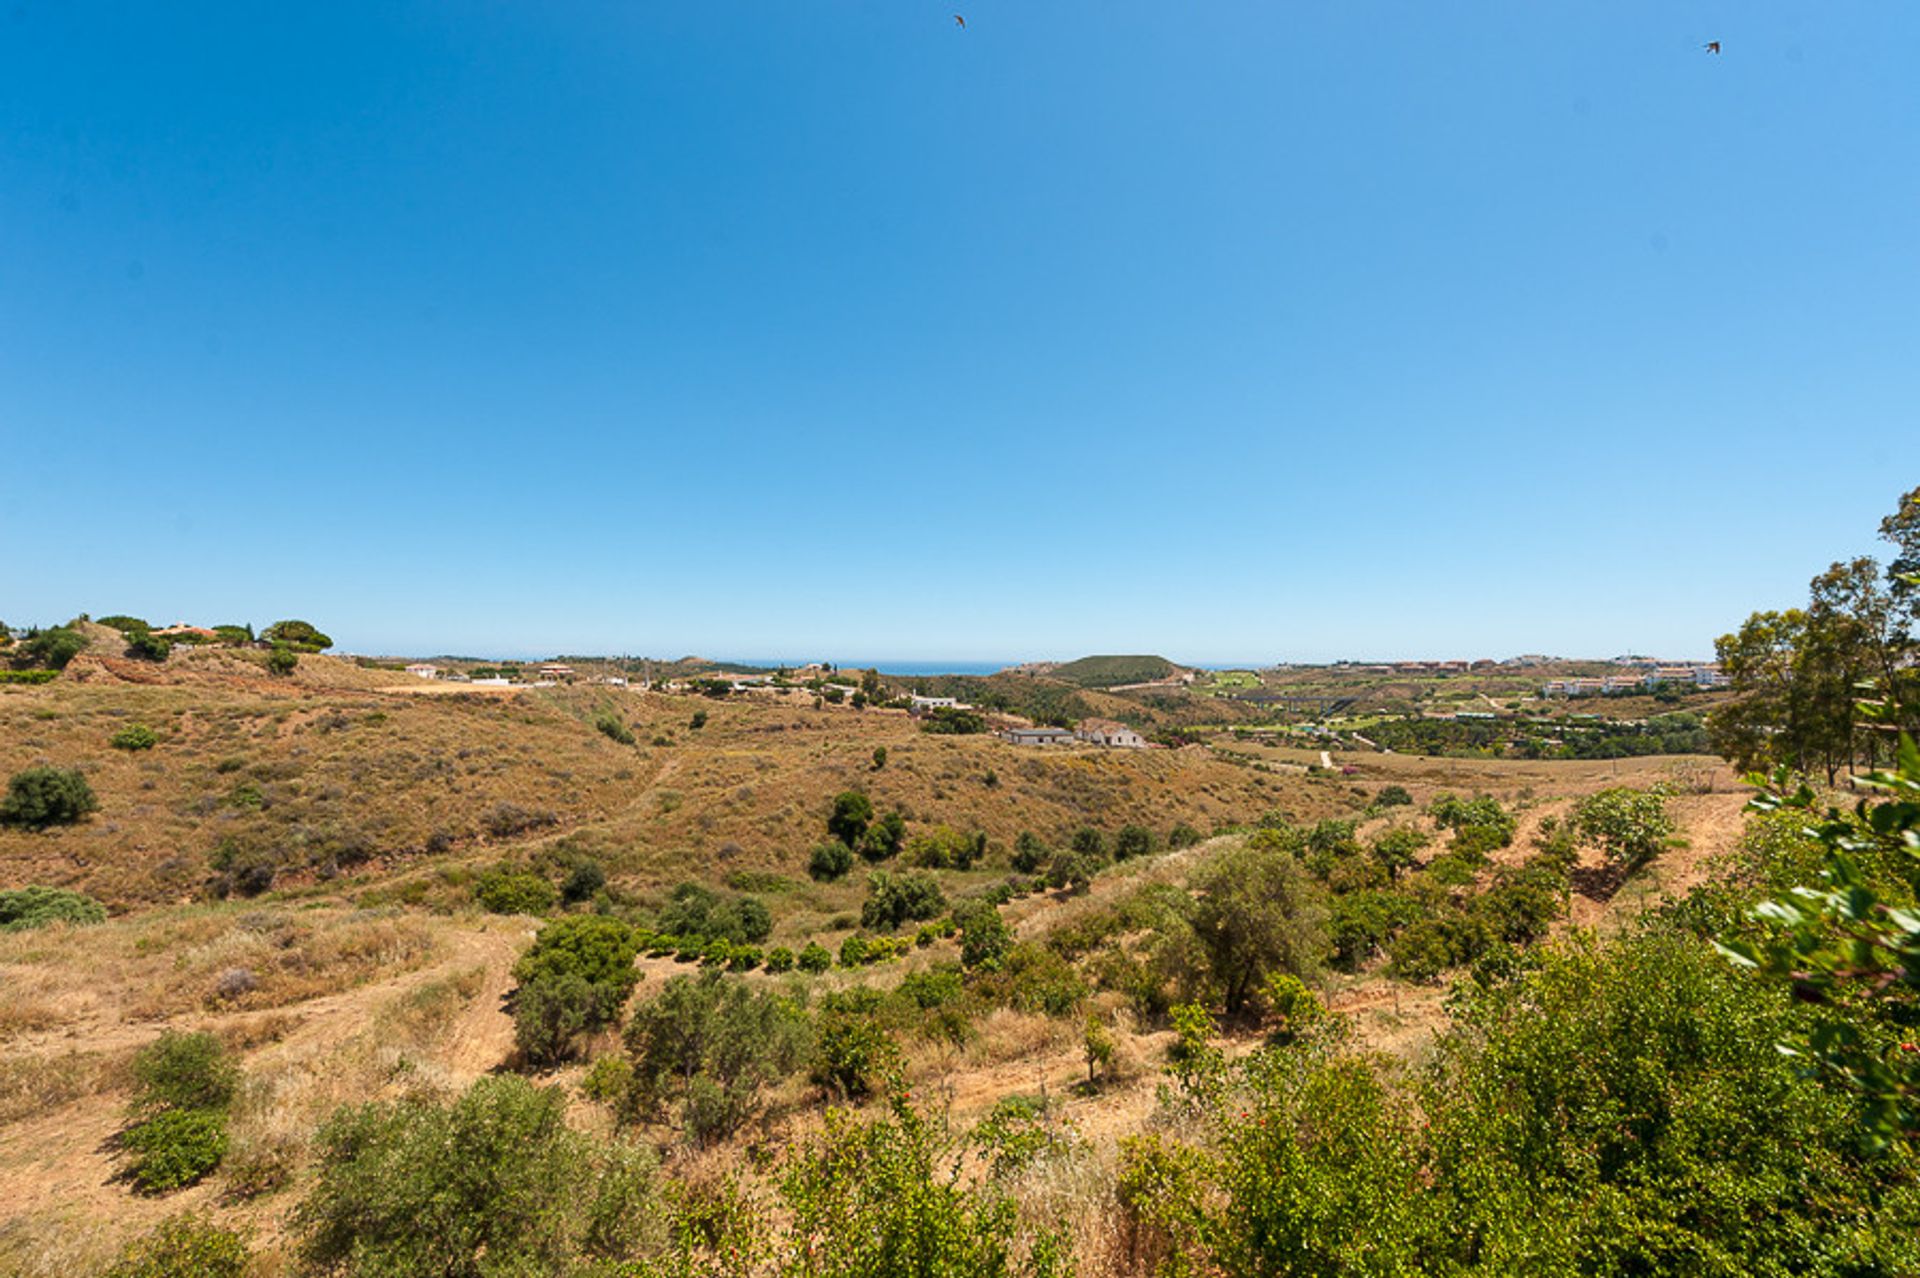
(1704, 675)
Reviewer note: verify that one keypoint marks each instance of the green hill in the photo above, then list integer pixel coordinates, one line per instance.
(1108, 672)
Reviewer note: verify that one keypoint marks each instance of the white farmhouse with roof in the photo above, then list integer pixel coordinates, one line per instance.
(1107, 732)
(421, 670)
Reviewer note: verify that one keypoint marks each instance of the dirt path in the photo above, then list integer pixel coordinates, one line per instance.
(61, 1161)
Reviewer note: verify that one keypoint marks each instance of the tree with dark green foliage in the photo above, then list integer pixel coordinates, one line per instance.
(814, 958)
(301, 636)
(491, 1185)
(695, 910)
(985, 937)
(1258, 912)
(1088, 841)
(884, 838)
(852, 1052)
(829, 861)
(611, 726)
(894, 899)
(705, 1049)
(282, 660)
(1029, 853)
(583, 882)
(124, 624)
(953, 721)
(42, 797)
(144, 645)
(879, 757)
(1132, 841)
(852, 813)
(1183, 836)
(51, 649)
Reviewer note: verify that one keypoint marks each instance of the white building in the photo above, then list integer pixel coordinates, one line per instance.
(421, 670)
(1106, 732)
(926, 705)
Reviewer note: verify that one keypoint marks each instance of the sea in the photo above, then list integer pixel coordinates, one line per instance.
(904, 669)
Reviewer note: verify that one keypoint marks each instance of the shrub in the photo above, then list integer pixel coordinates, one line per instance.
(693, 910)
(1029, 853)
(1183, 836)
(851, 814)
(300, 636)
(945, 848)
(1392, 796)
(175, 1148)
(494, 1183)
(40, 797)
(52, 648)
(984, 935)
(180, 1071)
(583, 882)
(35, 906)
(282, 660)
(814, 957)
(698, 721)
(184, 1246)
(829, 861)
(705, 1049)
(953, 721)
(146, 646)
(1398, 849)
(853, 1053)
(123, 623)
(1132, 841)
(879, 758)
(135, 736)
(895, 899)
(1089, 842)
(611, 726)
(591, 946)
(780, 959)
(1631, 826)
(884, 838)
(505, 819)
(888, 1197)
(506, 891)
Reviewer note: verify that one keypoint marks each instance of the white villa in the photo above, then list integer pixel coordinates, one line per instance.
(421, 670)
(1106, 732)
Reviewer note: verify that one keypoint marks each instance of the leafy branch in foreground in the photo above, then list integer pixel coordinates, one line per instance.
(1851, 948)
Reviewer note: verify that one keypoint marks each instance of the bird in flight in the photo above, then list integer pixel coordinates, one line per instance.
(1713, 46)
(962, 22)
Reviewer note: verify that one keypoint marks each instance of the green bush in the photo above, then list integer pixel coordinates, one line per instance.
(135, 736)
(593, 947)
(780, 959)
(1029, 853)
(984, 935)
(945, 848)
(1392, 796)
(1258, 912)
(814, 957)
(852, 813)
(502, 890)
(888, 1198)
(829, 861)
(1631, 826)
(28, 676)
(1132, 841)
(493, 1184)
(297, 635)
(52, 649)
(40, 797)
(183, 1071)
(704, 1050)
(611, 726)
(282, 660)
(550, 1014)
(694, 910)
(123, 623)
(1183, 836)
(146, 646)
(896, 899)
(175, 1148)
(184, 1246)
(35, 906)
(583, 882)
(853, 1053)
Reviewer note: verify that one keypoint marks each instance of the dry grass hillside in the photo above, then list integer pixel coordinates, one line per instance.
(368, 970)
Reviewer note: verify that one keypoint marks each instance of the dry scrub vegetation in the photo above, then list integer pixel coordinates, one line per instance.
(361, 968)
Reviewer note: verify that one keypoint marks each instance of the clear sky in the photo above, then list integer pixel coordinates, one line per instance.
(1234, 331)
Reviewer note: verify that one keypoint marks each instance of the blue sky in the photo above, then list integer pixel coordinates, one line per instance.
(1232, 331)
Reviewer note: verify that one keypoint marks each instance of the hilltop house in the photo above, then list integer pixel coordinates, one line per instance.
(1038, 736)
(927, 705)
(1106, 732)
